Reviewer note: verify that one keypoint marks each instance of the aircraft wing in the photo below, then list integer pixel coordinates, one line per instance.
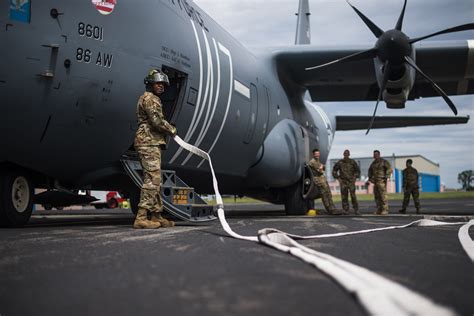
(350, 123)
(449, 63)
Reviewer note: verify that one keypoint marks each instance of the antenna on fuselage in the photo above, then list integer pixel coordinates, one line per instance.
(303, 28)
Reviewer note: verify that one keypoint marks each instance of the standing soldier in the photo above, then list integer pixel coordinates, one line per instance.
(379, 172)
(347, 171)
(321, 183)
(150, 139)
(410, 186)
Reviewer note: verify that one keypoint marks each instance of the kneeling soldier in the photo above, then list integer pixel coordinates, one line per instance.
(320, 181)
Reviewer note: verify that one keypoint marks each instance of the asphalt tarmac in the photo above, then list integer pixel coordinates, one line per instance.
(91, 262)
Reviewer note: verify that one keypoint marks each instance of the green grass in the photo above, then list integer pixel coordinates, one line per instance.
(367, 197)
(231, 200)
(427, 195)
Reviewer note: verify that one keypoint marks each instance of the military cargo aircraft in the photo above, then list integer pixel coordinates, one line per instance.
(71, 73)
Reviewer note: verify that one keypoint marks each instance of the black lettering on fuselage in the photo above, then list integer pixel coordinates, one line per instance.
(90, 31)
(104, 60)
(190, 11)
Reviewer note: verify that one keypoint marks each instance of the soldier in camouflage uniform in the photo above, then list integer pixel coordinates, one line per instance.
(410, 186)
(379, 172)
(321, 183)
(347, 171)
(150, 139)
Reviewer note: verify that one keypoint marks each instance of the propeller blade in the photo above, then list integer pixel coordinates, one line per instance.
(374, 28)
(459, 28)
(386, 75)
(371, 53)
(400, 19)
(412, 63)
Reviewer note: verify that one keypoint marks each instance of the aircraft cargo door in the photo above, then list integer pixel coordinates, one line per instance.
(174, 93)
(253, 113)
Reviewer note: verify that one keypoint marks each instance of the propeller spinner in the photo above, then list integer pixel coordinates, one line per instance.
(394, 49)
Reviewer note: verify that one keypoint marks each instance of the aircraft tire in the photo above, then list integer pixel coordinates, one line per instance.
(134, 198)
(294, 202)
(16, 198)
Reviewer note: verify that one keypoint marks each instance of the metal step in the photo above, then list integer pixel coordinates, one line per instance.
(178, 198)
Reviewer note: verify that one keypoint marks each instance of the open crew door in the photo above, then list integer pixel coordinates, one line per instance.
(174, 93)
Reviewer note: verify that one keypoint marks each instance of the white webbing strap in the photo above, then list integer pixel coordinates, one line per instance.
(466, 240)
(378, 295)
(220, 203)
(418, 223)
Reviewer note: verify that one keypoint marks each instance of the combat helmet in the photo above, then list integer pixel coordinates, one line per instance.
(155, 76)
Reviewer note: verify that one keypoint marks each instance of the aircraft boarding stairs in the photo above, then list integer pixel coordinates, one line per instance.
(178, 198)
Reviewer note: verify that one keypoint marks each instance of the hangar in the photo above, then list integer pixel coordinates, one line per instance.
(428, 171)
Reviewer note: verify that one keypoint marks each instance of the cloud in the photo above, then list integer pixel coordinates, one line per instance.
(262, 23)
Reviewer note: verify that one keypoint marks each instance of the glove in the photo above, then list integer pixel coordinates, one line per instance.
(174, 131)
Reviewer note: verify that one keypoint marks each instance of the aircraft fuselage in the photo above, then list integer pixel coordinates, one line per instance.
(70, 80)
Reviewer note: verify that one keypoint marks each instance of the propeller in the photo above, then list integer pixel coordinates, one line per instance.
(386, 75)
(394, 48)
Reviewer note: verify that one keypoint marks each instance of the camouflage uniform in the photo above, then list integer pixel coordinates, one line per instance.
(150, 138)
(410, 186)
(379, 171)
(347, 171)
(322, 184)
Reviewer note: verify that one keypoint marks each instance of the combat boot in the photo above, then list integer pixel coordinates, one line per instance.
(356, 212)
(157, 218)
(403, 211)
(335, 212)
(383, 213)
(141, 221)
(322, 212)
(145, 224)
(418, 211)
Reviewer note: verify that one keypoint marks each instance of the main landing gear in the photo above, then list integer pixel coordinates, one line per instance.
(16, 198)
(299, 197)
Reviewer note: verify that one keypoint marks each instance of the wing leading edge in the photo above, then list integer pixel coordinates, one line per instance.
(449, 63)
(350, 123)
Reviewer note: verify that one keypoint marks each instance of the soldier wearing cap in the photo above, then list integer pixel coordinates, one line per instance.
(379, 172)
(347, 171)
(150, 139)
(318, 168)
(410, 187)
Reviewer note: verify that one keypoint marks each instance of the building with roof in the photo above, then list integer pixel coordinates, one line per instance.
(428, 171)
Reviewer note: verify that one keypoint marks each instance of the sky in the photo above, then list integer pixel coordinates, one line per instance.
(271, 23)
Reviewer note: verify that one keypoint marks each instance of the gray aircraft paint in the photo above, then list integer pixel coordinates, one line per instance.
(88, 110)
(303, 30)
(74, 124)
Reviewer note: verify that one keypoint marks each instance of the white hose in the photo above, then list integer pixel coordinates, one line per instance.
(378, 295)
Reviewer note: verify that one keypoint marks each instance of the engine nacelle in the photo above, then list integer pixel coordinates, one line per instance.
(399, 85)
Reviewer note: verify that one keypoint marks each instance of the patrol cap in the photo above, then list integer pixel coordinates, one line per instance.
(155, 76)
